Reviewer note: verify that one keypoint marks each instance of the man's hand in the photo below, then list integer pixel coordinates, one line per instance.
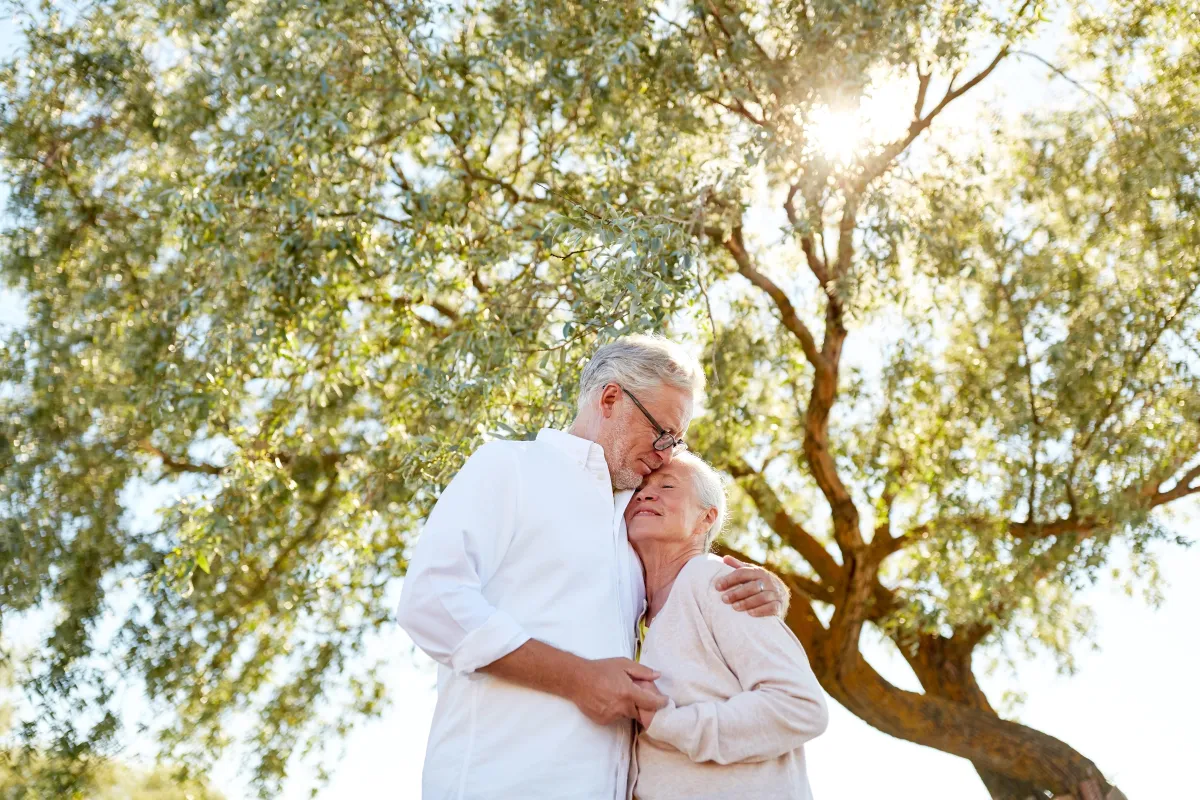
(611, 689)
(753, 589)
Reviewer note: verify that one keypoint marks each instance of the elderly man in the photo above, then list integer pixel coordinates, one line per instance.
(526, 591)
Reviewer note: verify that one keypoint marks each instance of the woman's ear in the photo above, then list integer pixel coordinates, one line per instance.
(706, 520)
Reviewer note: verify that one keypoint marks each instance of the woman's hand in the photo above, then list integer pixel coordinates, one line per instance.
(753, 589)
(646, 715)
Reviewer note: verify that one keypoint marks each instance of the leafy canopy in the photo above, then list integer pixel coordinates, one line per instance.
(287, 263)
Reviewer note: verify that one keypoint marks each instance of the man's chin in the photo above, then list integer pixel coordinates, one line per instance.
(626, 480)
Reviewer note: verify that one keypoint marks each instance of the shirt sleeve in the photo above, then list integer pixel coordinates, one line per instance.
(442, 603)
(781, 705)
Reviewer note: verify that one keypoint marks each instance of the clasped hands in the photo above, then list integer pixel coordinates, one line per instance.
(611, 689)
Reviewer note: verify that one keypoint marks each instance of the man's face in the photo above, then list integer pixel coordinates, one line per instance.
(630, 436)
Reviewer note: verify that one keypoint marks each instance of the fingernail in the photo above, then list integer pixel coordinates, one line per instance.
(739, 606)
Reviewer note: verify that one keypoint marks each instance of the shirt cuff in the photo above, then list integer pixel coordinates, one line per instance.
(492, 640)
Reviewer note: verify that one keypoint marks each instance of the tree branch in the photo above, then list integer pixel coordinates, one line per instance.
(739, 108)
(445, 310)
(845, 248)
(1108, 112)
(815, 590)
(1036, 437)
(875, 167)
(1112, 406)
(984, 739)
(772, 511)
(176, 465)
(744, 29)
(736, 247)
(1182, 488)
(255, 452)
(1072, 524)
(923, 79)
(807, 242)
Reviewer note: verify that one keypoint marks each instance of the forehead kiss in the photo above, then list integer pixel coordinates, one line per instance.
(672, 475)
(656, 418)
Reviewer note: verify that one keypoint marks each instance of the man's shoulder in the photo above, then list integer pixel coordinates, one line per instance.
(501, 448)
(496, 456)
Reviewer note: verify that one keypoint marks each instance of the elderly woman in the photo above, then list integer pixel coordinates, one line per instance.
(743, 699)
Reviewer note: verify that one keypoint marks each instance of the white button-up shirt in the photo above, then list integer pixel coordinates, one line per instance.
(527, 541)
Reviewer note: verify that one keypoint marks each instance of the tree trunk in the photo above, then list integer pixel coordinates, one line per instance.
(1011, 758)
(943, 667)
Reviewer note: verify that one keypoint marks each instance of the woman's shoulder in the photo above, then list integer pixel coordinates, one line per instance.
(699, 574)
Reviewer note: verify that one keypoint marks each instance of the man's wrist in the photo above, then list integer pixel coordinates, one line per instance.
(543, 667)
(573, 673)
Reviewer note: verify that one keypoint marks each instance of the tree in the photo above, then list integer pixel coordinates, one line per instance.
(30, 776)
(293, 261)
(111, 782)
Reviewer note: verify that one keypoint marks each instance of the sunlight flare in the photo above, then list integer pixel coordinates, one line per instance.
(837, 135)
(844, 134)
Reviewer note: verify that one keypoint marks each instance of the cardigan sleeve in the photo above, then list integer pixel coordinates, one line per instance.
(781, 705)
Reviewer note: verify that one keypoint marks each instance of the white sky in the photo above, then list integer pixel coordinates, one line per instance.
(1131, 707)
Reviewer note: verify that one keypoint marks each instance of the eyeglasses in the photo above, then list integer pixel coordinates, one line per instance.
(665, 440)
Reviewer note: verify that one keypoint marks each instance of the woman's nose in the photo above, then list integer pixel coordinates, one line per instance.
(644, 494)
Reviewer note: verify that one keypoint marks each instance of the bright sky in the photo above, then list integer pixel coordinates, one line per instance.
(1131, 707)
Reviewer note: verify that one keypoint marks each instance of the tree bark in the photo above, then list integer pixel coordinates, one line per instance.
(953, 715)
(943, 667)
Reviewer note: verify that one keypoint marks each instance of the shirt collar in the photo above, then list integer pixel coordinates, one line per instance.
(583, 452)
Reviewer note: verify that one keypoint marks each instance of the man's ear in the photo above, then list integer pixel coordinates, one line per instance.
(609, 396)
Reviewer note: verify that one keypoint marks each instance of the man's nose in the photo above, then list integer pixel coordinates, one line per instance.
(666, 456)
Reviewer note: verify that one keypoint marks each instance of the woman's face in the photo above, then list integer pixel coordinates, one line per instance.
(665, 508)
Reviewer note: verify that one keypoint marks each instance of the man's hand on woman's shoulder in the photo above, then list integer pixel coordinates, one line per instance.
(753, 589)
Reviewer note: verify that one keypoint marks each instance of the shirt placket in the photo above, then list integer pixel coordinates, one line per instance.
(622, 569)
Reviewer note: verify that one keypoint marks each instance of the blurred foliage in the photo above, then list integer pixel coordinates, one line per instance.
(32, 777)
(287, 263)
(110, 782)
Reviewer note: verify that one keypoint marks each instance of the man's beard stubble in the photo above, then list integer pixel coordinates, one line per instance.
(624, 476)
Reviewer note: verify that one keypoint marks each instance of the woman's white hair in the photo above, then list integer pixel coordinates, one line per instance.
(640, 362)
(710, 492)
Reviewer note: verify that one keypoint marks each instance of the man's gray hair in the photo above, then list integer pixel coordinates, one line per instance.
(710, 492)
(640, 362)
